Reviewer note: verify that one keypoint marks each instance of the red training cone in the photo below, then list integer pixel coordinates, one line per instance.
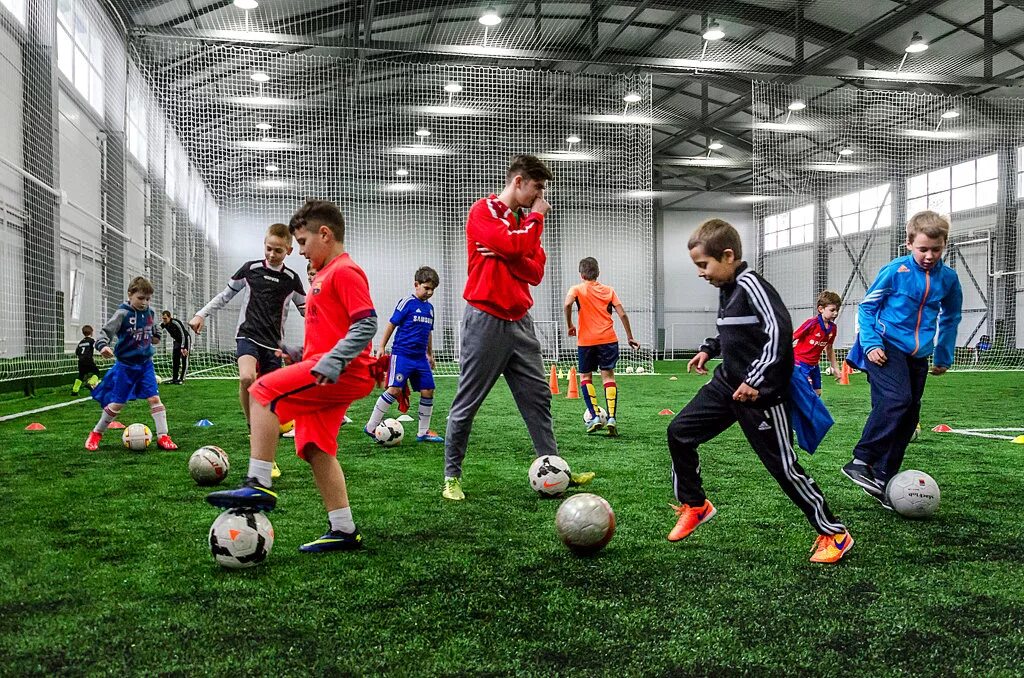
(942, 428)
(35, 426)
(666, 412)
(553, 381)
(574, 389)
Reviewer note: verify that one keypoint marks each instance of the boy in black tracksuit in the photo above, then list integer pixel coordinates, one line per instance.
(88, 373)
(182, 344)
(751, 387)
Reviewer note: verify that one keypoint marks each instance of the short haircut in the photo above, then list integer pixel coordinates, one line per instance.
(281, 231)
(316, 213)
(932, 224)
(87, 330)
(166, 313)
(715, 236)
(140, 284)
(425, 274)
(829, 298)
(529, 167)
(589, 268)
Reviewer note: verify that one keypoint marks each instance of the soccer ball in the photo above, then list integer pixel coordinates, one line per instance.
(913, 494)
(240, 538)
(602, 416)
(137, 437)
(585, 523)
(389, 432)
(630, 370)
(208, 465)
(549, 475)
(640, 370)
(159, 379)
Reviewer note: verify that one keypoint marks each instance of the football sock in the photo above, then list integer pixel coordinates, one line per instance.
(426, 409)
(78, 385)
(260, 470)
(380, 408)
(109, 415)
(341, 519)
(610, 394)
(589, 396)
(159, 413)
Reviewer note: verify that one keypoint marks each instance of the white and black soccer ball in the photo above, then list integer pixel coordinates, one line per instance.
(640, 369)
(585, 523)
(389, 432)
(549, 475)
(630, 369)
(208, 465)
(136, 437)
(602, 416)
(240, 538)
(913, 494)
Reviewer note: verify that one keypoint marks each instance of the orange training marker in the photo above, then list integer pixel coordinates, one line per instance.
(666, 412)
(942, 428)
(574, 389)
(844, 374)
(35, 426)
(553, 381)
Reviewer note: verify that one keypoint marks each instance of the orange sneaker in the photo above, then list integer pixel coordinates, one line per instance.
(830, 548)
(164, 442)
(92, 443)
(691, 517)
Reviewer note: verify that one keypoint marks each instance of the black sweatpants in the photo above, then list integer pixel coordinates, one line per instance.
(179, 364)
(768, 430)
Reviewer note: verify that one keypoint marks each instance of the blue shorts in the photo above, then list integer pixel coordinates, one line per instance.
(812, 373)
(415, 371)
(601, 356)
(124, 382)
(266, 360)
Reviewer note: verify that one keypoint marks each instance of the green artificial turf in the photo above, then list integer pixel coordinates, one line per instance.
(106, 569)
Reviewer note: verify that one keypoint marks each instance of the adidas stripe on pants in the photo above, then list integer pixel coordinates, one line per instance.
(768, 431)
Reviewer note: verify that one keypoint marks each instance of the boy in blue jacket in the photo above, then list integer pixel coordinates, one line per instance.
(911, 297)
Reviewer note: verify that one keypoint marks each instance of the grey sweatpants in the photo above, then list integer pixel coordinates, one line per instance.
(492, 347)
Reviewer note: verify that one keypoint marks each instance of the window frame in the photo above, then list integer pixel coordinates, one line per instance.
(771, 228)
(849, 209)
(944, 192)
(80, 67)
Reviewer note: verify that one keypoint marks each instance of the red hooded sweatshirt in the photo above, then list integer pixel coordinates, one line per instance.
(500, 285)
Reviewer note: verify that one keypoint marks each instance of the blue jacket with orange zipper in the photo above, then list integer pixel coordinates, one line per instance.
(906, 305)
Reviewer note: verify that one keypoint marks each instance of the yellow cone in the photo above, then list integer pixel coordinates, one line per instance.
(1019, 440)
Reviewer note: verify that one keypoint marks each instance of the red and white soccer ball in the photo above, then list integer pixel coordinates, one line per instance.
(240, 538)
(208, 465)
(389, 432)
(602, 416)
(585, 523)
(549, 475)
(137, 437)
(913, 494)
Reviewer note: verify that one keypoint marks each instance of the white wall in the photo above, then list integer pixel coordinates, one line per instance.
(12, 218)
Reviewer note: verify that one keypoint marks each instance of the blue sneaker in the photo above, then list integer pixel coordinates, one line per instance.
(249, 495)
(429, 437)
(334, 540)
(372, 435)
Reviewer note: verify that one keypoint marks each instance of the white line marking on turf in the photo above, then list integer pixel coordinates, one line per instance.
(44, 409)
(966, 432)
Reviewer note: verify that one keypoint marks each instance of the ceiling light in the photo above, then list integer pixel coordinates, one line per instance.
(268, 140)
(453, 88)
(265, 126)
(400, 187)
(423, 133)
(714, 31)
(490, 17)
(401, 172)
(572, 139)
(632, 98)
(259, 76)
(950, 114)
(846, 151)
(274, 183)
(917, 44)
(797, 105)
(271, 167)
(716, 145)
(246, 4)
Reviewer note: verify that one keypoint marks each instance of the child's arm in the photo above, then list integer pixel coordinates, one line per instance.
(389, 329)
(235, 285)
(708, 350)
(329, 367)
(299, 297)
(156, 333)
(775, 347)
(497, 234)
(108, 333)
(570, 299)
(870, 306)
(633, 343)
(949, 320)
(430, 350)
(831, 354)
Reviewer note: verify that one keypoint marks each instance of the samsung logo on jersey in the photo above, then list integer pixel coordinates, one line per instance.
(270, 278)
(422, 319)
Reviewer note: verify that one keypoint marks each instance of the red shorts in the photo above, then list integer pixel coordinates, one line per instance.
(292, 393)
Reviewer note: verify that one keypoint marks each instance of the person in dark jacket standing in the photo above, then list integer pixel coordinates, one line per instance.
(182, 341)
(751, 387)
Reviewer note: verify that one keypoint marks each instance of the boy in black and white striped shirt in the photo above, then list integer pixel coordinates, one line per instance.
(750, 387)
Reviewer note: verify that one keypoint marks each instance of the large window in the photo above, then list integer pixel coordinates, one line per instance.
(80, 51)
(860, 211)
(795, 227)
(137, 119)
(17, 8)
(970, 184)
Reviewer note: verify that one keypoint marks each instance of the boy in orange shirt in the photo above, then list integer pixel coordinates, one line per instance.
(597, 343)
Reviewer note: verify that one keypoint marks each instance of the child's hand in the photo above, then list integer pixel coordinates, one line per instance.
(938, 371)
(484, 251)
(430, 359)
(196, 324)
(745, 393)
(107, 352)
(697, 363)
(572, 330)
(634, 344)
(877, 356)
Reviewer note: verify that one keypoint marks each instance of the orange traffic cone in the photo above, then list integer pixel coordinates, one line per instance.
(574, 389)
(844, 374)
(553, 381)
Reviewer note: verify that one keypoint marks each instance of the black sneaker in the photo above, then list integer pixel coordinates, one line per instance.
(249, 495)
(861, 474)
(335, 540)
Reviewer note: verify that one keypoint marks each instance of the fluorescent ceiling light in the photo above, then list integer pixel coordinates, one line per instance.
(274, 183)
(400, 187)
(572, 139)
(271, 167)
(833, 167)
(453, 88)
(756, 198)
(797, 105)
(448, 111)
(567, 156)
(942, 135)
(419, 149)
(401, 172)
(423, 133)
(714, 32)
(490, 17)
(621, 119)
(716, 145)
(259, 76)
(846, 150)
(265, 126)
(950, 114)
(786, 127)
(703, 161)
(263, 102)
(268, 144)
(632, 98)
(917, 44)
(246, 4)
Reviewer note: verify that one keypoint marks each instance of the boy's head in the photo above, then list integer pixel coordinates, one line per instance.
(426, 281)
(927, 234)
(140, 291)
(165, 317)
(589, 269)
(87, 330)
(828, 305)
(716, 251)
(277, 245)
(527, 175)
(318, 227)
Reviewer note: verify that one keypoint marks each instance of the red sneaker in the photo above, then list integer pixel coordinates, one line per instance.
(690, 518)
(92, 443)
(164, 442)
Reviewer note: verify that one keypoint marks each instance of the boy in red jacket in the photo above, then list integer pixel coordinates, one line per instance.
(505, 257)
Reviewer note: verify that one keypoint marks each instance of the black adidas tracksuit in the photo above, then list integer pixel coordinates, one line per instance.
(181, 339)
(755, 340)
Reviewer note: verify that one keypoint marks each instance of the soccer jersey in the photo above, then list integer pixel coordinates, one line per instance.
(595, 303)
(267, 293)
(136, 332)
(811, 338)
(338, 297)
(84, 351)
(415, 321)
